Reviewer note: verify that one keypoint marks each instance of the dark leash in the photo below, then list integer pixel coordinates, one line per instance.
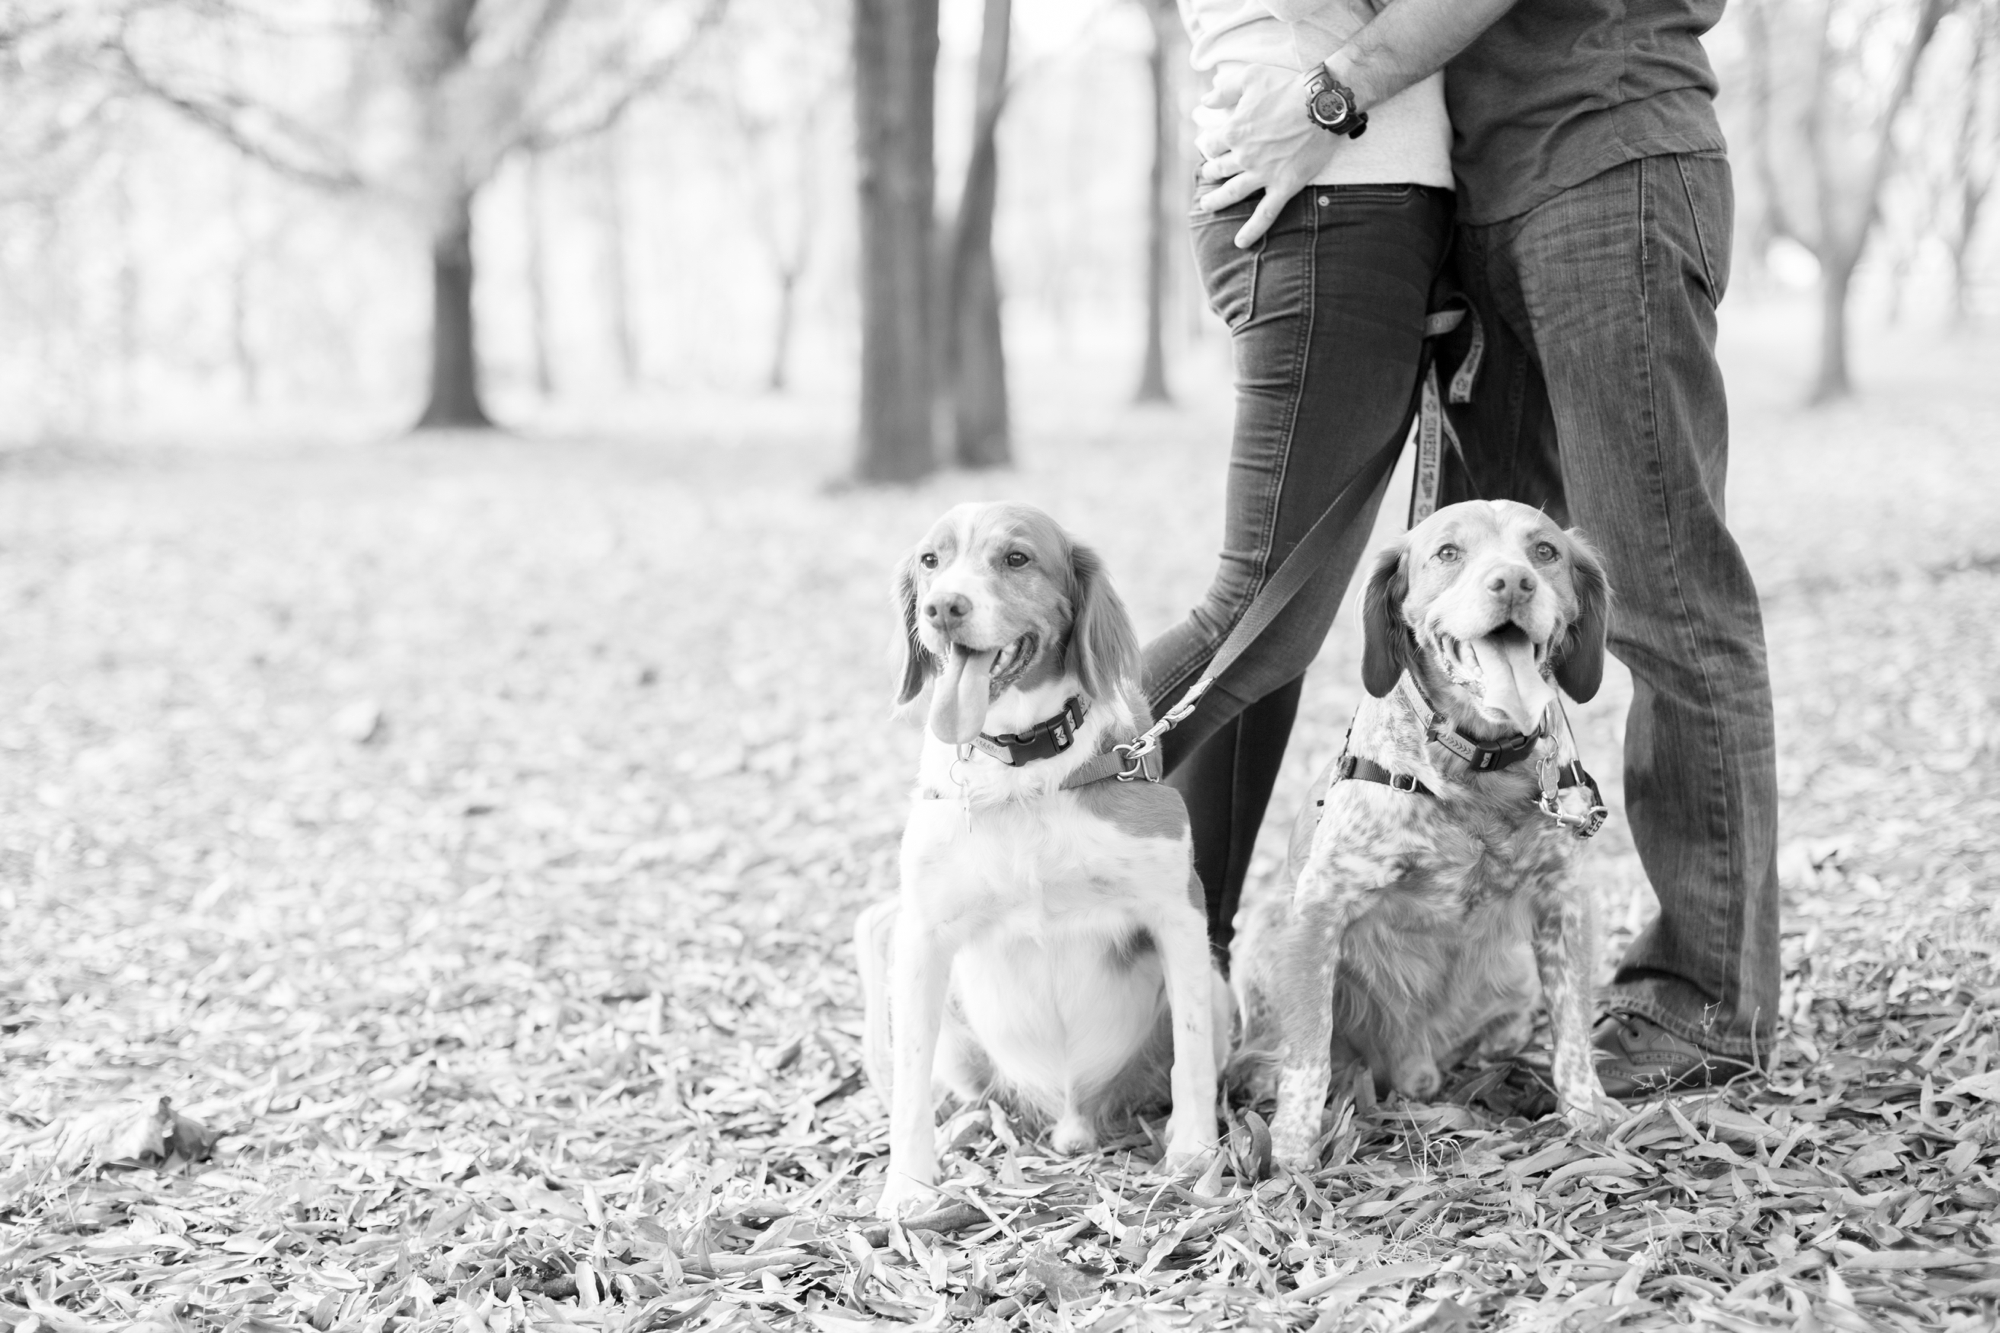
(1139, 759)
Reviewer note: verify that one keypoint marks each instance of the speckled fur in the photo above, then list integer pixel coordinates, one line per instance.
(1043, 947)
(1411, 930)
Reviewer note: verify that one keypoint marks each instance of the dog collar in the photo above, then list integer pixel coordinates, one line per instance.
(1482, 756)
(1045, 740)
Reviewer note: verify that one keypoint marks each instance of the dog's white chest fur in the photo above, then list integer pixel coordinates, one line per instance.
(1012, 869)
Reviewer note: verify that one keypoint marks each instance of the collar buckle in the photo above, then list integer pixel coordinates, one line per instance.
(1478, 755)
(1045, 740)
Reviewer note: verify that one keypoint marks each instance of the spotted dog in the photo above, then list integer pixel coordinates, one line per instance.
(1429, 902)
(1047, 946)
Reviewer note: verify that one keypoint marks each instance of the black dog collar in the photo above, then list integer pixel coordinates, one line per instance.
(1482, 756)
(1044, 740)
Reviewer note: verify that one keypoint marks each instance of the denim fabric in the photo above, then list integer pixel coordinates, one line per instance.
(1601, 400)
(1327, 316)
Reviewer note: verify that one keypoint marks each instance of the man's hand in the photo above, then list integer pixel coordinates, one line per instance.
(1268, 143)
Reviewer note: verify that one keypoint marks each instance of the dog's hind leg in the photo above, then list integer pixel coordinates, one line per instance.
(1416, 1073)
(874, 933)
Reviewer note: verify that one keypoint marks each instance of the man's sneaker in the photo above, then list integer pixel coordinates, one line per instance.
(1638, 1058)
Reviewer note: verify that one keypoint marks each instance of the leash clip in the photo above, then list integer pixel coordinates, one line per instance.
(1142, 756)
(1141, 760)
(1549, 802)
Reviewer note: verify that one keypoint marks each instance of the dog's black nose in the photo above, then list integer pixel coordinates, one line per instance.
(1513, 583)
(948, 609)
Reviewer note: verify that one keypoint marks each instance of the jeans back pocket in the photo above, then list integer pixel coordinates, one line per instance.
(1228, 274)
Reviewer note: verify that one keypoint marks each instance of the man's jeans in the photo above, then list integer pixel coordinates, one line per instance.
(1600, 400)
(1327, 316)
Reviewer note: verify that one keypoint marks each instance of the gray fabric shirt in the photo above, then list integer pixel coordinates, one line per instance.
(1558, 91)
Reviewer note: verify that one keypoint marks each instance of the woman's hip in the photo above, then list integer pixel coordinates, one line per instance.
(1346, 244)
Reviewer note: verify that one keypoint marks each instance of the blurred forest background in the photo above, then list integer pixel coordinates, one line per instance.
(441, 704)
(227, 218)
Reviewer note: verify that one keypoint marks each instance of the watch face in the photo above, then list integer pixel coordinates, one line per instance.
(1329, 107)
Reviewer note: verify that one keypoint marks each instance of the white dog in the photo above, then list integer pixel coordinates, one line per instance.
(1048, 946)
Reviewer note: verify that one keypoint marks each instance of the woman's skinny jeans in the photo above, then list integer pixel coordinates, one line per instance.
(1327, 317)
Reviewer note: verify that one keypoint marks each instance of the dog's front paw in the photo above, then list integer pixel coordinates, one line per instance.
(1295, 1147)
(902, 1196)
(1072, 1135)
(1596, 1115)
(1191, 1136)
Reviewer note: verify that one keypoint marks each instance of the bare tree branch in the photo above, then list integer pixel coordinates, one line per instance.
(1906, 81)
(319, 167)
(542, 133)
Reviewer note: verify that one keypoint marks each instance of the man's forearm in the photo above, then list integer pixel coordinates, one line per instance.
(1409, 41)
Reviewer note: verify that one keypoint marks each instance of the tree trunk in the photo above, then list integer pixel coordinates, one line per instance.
(975, 355)
(128, 290)
(249, 374)
(1973, 168)
(1961, 263)
(781, 341)
(454, 401)
(1845, 223)
(538, 276)
(1166, 152)
(617, 278)
(248, 378)
(1835, 277)
(895, 69)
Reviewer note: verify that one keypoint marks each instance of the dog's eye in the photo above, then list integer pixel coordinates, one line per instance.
(1015, 559)
(928, 559)
(1546, 551)
(1449, 554)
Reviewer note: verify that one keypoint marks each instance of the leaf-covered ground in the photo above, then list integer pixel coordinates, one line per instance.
(470, 831)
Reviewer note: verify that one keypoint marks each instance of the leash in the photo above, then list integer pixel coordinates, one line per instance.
(1139, 759)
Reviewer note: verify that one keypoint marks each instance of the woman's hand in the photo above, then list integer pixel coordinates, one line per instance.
(1268, 143)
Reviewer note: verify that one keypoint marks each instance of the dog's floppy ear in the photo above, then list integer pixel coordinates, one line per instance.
(1385, 638)
(1103, 651)
(918, 664)
(1580, 667)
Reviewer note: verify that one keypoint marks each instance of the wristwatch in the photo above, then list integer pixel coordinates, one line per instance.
(1330, 103)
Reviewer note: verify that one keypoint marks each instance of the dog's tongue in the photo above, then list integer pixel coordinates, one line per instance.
(958, 706)
(1513, 684)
